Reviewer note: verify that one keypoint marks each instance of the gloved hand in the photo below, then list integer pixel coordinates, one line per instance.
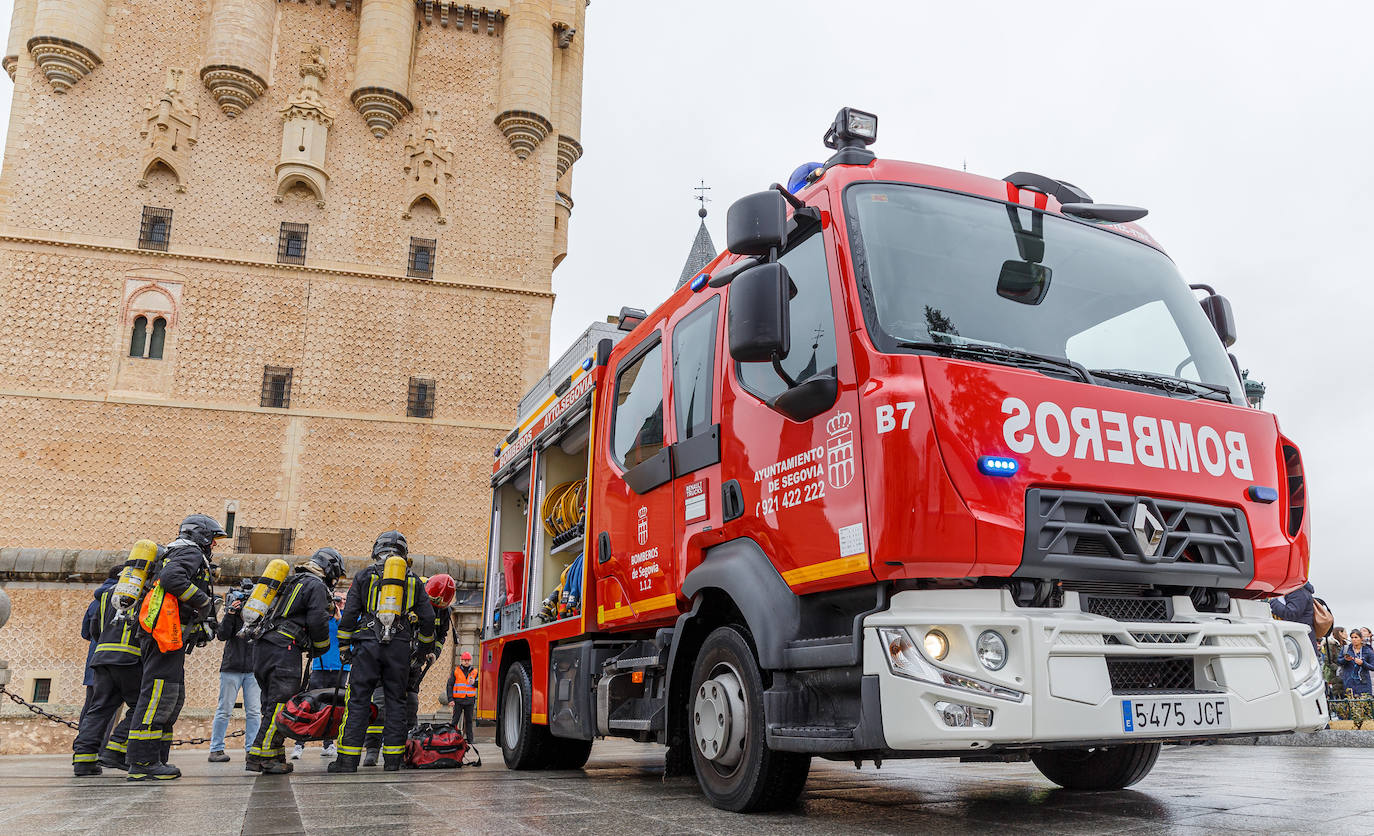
(345, 655)
(429, 658)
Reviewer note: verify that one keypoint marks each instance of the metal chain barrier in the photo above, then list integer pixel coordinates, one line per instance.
(47, 715)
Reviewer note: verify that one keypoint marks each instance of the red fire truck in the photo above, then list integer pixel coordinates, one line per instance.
(926, 464)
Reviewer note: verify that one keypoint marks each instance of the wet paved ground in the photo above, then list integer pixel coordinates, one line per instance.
(1196, 790)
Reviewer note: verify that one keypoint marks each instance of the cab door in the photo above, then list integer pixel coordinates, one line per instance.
(798, 486)
(633, 515)
(695, 401)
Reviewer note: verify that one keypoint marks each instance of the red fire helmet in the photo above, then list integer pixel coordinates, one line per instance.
(441, 590)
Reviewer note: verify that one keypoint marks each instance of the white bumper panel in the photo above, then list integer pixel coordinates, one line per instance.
(1057, 661)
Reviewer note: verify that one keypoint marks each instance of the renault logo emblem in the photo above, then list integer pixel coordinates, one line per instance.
(1149, 531)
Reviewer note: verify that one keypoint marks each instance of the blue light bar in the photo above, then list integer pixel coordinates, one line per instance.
(699, 281)
(796, 181)
(1262, 493)
(587, 365)
(998, 465)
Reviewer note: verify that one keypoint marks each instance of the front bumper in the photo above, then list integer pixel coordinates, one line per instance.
(1055, 687)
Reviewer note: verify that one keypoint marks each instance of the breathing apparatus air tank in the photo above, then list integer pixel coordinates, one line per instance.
(264, 592)
(133, 577)
(391, 596)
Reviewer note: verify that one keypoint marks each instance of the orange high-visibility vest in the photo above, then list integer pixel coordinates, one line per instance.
(464, 685)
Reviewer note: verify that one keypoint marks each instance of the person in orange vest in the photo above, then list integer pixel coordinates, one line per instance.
(462, 689)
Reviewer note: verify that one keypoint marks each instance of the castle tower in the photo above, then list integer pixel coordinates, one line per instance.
(238, 52)
(68, 37)
(276, 262)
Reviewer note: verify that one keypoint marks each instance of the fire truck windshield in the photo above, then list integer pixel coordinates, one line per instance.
(953, 270)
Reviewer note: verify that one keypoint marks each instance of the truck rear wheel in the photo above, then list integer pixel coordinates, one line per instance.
(1100, 768)
(564, 753)
(523, 743)
(736, 769)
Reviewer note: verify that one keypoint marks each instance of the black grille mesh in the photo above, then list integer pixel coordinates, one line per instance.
(1128, 609)
(1134, 675)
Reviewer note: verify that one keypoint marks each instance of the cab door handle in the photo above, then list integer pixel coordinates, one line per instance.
(603, 547)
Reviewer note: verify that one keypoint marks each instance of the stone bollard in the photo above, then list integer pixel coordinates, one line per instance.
(4, 616)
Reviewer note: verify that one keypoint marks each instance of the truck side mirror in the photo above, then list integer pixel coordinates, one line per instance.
(1218, 312)
(756, 224)
(759, 323)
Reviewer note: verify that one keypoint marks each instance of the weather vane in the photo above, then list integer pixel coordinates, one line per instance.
(701, 197)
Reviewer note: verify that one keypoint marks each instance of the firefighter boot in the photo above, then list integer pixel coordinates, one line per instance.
(276, 766)
(370, 757)
(153, 771)
(85, 769)
(252, 763)
(344, 763)
(109, 760)
(392, 763)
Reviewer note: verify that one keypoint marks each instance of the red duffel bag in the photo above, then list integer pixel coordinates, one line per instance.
(438, 747)
(316, 715)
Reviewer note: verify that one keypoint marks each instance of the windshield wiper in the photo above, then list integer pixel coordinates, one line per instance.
(1167, 383)
(1003, 354)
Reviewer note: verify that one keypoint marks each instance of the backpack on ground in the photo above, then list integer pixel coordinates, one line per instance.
(438, 746)
(316, 715)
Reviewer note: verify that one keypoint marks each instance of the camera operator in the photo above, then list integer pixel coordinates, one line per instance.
(235, 675)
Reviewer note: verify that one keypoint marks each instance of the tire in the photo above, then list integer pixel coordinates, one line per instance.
(563, 753)
(524, 744)
(742, 774)
(1104, 768)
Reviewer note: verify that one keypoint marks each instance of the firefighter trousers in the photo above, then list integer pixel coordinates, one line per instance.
(376, 664)
(278, 672)
(116, 687)
(417, 676)
(162, 693)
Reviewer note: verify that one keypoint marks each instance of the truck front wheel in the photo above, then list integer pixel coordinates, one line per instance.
(736, 769)
(1100, 768)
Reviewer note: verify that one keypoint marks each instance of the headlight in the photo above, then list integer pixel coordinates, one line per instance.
(992, 650)
(937, 646)
(905, 659)
(1294, 651)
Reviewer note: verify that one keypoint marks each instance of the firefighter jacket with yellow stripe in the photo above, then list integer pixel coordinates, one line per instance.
(186, 575)
(117, 639)
(301, 621)
(359, 621)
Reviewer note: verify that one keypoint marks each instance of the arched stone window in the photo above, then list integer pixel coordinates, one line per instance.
(158, 339)
(138, 341)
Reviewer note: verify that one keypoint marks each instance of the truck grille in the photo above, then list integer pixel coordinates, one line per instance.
(1128, 609)
(1129, 676)
(1085, 536)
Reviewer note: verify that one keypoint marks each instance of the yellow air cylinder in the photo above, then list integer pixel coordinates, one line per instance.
(391, 597)
(134, 576)
(265, 591)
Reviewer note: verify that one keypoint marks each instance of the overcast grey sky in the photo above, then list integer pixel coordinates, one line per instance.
(1244, 128)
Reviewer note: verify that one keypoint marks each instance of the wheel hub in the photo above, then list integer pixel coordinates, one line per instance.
(720, 717)
(511, 719)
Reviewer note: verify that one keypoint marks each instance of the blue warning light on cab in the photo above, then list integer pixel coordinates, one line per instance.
(998, 465)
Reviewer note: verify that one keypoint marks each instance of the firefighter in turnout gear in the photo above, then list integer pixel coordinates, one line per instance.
(176, 606)
(297, 621)
(117, 668)
(440, 589)
(386, 607)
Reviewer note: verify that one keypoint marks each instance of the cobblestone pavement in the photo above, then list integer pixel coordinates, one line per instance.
(1195, 790)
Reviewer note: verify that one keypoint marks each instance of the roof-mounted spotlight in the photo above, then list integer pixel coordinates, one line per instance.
(850, 135)
(629, 318)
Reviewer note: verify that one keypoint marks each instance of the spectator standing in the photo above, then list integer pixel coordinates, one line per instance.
(1297, 607)
(235, 676)
(462, 690)
(327, 672)
(1357, 658)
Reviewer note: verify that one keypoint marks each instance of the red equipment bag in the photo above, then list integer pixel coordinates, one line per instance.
(438, 746)
(316, 715)
(513, 565)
